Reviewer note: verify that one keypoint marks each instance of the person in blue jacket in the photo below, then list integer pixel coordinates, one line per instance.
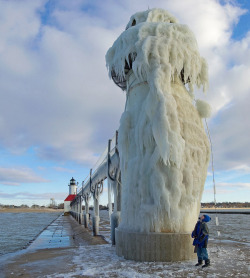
(200, 235)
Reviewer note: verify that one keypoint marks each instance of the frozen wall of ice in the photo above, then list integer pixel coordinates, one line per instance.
(164, 151)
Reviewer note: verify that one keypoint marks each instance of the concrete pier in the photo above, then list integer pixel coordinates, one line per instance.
(51, 252)
(65, 231)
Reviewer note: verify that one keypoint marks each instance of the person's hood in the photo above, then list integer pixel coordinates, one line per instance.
(206, 218)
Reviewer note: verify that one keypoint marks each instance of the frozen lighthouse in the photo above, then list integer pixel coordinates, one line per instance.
(163, 148)
(71, 196)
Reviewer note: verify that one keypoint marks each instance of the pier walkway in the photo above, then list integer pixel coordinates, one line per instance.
(51, 251)
(65, 232)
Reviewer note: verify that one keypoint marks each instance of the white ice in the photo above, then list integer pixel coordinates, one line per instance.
(164, 151)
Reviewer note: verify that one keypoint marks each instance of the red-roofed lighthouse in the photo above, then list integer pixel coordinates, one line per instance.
(71, 196)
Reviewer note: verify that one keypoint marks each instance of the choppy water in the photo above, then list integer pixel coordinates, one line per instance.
(18, 229)
(233, 227)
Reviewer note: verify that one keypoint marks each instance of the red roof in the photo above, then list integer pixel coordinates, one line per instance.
(70, 198)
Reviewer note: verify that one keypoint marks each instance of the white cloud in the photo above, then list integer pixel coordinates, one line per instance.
(65, 170)
(54, 87)
(22, 195)
(244, 168)
(235, 185)
(17, 176)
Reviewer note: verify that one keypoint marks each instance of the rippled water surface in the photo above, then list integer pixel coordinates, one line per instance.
(233, 227)
(18, 229)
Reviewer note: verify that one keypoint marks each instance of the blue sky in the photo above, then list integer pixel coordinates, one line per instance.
(58, 106)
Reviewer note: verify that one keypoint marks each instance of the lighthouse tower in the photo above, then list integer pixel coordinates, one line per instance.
(72, 187)
(71, 196)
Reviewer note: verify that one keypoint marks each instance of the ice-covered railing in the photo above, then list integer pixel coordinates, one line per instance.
(107, 167)
(107, 162)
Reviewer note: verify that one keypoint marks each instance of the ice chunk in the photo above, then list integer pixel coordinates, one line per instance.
(203, 108)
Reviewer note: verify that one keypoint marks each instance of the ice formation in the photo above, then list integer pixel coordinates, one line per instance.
(164, 151)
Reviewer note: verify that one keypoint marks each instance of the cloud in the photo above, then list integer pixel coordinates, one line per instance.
(65, 170)
(62, 102)
(231, 133)
(235, 186)
(15, 177)
(55, 92)
(244, 168)
(227, 187)
(35, 196)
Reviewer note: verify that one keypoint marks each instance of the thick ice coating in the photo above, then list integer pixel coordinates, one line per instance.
(164, 151)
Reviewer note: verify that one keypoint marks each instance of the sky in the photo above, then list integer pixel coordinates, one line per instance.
(58, 107)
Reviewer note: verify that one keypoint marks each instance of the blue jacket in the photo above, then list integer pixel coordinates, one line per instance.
(201, 232)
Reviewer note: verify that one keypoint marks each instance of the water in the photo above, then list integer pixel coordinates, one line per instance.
(17, 230)
(233, 227)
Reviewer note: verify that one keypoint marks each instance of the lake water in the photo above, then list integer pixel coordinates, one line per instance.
(232, 227)
(18, 229)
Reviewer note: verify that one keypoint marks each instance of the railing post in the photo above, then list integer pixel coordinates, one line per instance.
(115, 216)
(77, 209)
(95, 217)
(119, 193)
(86, 212)
(80, 210)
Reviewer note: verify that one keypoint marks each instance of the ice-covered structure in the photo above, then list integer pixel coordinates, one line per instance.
(163, 147)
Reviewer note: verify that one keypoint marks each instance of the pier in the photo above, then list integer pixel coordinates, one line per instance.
(67, 249)
(92, 187)
(106, 168)
(51, 251)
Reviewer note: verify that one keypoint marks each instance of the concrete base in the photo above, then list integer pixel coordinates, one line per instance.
(154, 247)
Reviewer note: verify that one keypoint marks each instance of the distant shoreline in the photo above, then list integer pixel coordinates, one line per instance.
(18, 210)
(226, 210)
(213, 208)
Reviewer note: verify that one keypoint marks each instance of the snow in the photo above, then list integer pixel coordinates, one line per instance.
(164, 151)
(101, 261)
